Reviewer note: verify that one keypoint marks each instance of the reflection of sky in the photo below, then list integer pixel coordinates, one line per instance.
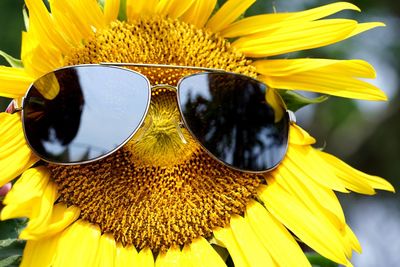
(265, 137)
(197, 90)
(103, 112)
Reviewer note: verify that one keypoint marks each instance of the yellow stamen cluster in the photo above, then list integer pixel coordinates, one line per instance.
(161, 189)
(161, 41)
(156, 207)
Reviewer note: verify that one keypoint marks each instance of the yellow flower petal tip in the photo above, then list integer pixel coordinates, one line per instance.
(343, 6)
(354, 179)
(300, 137)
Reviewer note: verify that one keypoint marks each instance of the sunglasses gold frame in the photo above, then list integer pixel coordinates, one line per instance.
(18, 106)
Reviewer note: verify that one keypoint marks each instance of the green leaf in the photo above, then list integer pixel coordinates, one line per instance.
(16, 63)
(11, 247)
(11, 261)
(317, 260)
(11, 229)
(295, 101)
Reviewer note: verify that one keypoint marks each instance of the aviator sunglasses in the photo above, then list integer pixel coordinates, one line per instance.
(83, 113)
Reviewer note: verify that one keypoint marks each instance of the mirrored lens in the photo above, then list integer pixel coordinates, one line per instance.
(232, 117)
(78, 114)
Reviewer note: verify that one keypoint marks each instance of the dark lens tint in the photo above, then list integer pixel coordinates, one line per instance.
(81, 113)
(230, 116)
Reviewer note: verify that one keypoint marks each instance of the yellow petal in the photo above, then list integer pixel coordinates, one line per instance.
(31, 184)
(253, 250)
(61, 218)
(316, 233)
(299, 156)
(331, 218)
(353, 239)
(37, 58)
(188, 259)
(200, 253)
(81, 18)
(11, 135)
(125, 256)
(173, 8)
(333, 77)
(42, 251)
(173, 257)
(140, 8)
(111, 10)
(78, 245)
(40, 216)
(362, 27)
(13, 166)
(26, 194)
(353, 179)
(274, 237)
(15, 155)
(298, 136)
(228, 13)
(287, 67)
(295, 38)
(89, 12)
(64, 22)
(105, 256)
(14, 82)
(41, 25)
(325, 196)
(199, 12)
(318, 202)
(255, 24)
(225, 238)
(145, 258)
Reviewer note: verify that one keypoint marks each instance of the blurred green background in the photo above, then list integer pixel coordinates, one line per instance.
(365, 134)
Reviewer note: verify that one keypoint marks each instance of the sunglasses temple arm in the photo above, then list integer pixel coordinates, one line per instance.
(13, 107)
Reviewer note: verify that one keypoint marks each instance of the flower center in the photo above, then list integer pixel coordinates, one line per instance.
(161, 189)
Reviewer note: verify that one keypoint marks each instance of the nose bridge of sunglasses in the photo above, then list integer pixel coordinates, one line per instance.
(158, 90)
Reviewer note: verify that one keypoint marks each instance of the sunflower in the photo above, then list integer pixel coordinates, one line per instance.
(159, 201)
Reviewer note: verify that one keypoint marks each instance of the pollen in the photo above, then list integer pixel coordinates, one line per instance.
(155, 207)
(161, 189)
(161, 41)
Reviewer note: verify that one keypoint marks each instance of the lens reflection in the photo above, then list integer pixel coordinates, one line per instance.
(230, 116)
(82, 113)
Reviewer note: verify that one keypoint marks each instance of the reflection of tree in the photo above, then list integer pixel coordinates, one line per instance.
(57, 120)
(235, 123)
